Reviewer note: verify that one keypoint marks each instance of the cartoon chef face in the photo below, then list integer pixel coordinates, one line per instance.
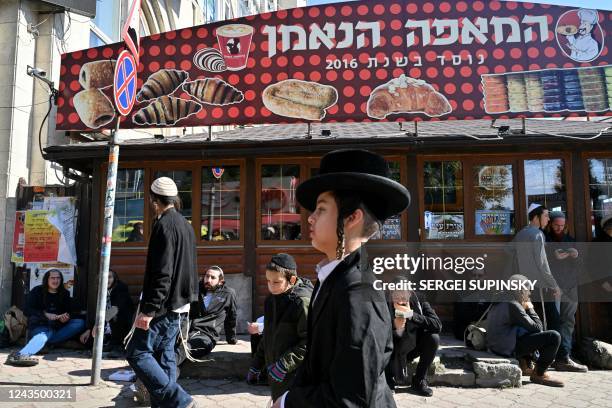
(588, 20)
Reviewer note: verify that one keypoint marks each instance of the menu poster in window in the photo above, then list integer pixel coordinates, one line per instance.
(392, 228)
(18, 237)
(41, 238)
(62, 215)
(493, 222)
(37, 272)
(446, 226)
(493, 177)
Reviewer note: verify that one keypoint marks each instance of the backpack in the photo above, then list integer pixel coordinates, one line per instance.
(16, 322)
(475, 335)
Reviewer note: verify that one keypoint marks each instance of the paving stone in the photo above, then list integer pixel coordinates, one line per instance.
(497, 375)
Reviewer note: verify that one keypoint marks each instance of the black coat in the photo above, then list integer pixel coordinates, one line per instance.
(37, 304)
(221, 313)
(170, 279)
(349, 342)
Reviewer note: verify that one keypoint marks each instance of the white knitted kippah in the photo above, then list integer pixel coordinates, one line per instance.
(164, 186)
(533, 206)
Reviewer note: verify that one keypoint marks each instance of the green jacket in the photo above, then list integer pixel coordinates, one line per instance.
(285, 333)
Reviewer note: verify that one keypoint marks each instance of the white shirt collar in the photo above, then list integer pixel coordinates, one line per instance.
(325, 268)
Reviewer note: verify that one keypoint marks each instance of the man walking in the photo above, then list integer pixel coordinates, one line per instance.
(564, 262)
(170, 285)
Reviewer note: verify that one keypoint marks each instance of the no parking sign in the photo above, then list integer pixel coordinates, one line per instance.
(124, 91)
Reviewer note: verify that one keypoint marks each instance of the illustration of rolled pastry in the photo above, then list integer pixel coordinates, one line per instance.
(567, 29)
(299, 99)
(213, 91)
(517, 93)
(535, 93)
(209, 59)
(161, 83)
(407, 95)
(495, 93)
(94, 108)
(166, 110)
(97, 74)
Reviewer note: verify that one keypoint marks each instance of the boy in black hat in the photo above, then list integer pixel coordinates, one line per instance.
(283, 346)
(349, 324)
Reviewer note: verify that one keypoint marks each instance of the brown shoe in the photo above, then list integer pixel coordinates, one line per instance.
(526, 366)
(569, 365)
(545, 379)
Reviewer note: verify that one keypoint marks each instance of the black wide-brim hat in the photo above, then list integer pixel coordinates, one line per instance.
(362, 172)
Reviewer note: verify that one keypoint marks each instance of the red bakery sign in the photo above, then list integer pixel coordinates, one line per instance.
(390, 60)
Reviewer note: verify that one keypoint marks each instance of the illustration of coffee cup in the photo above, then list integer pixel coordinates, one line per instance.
(234, 43)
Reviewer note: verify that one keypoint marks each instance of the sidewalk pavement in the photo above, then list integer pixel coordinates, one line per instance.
(67, 367)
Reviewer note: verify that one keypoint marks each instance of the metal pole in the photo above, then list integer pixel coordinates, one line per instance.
(107, 237)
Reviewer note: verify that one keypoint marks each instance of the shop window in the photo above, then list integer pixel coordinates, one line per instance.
(392, 228)
(493, 199)
(545, 184)
(183, 181)
(443, 197)
(280, 212)
(129, 206)
(600, 192)
(220, 204)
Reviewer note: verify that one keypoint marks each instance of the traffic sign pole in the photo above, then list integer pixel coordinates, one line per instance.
(124, 95)
(107, 238)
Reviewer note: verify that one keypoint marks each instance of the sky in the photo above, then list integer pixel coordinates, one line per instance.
(599, 4)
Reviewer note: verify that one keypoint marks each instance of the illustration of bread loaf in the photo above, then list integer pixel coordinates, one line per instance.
(94, 108)
(299, 99)
(161, 83)
(97, 74)
(213, 91)
(166, 110)
(567, 29)
(407, 95)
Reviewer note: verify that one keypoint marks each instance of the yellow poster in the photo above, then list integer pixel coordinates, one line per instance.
(41, 238)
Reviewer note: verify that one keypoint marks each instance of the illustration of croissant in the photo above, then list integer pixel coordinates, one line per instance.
(407, 95)
(161, 83)
(213, 91)
(94, 108)
(97, 74)
(166, 110)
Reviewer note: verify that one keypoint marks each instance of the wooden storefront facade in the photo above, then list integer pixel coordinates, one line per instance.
(241, 222)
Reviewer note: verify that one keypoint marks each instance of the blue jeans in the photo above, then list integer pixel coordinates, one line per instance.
(151, 354)
(42, 335)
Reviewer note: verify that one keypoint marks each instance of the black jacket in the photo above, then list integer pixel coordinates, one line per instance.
(565, 270)
(349, 342)
(221, 313)
(170, 280)
(285, 333)
(37, 304)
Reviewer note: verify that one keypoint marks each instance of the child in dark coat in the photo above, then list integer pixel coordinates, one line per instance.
(283, 346)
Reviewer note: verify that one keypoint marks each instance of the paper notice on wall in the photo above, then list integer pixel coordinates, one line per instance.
(41, 238)
(37, 272)
(18, 237)
(62, 215)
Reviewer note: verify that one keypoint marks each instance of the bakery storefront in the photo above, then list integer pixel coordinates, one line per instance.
(238, 191)
(480, 111)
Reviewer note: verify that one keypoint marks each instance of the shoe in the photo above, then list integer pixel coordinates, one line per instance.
(421, 388)
(526, 366)
(17, 360)
(569, 365)
(141, 394)
(545, 379)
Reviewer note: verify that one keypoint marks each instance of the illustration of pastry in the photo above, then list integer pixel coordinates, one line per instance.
(552, 87)
(161, 83)
(299, 99)
(567, 29)
(572, 90)
(94, 108)
(209, 59)
(594, 95)
(535, 94)
(495, 93)
(517, 93)
(406, 95)
(166, 110)
(608, 75)
(97, 74)
(213, 91)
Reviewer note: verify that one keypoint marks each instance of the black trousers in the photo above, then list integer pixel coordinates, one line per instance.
(200, 345)
(426, 346)
(546, 343)
(255, 339)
